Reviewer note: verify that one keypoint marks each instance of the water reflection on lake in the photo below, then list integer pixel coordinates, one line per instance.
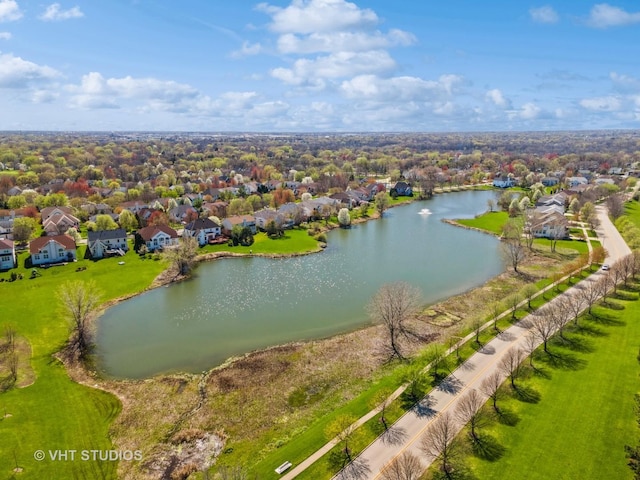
(233, 306)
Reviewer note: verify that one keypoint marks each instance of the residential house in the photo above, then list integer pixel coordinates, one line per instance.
(59, 222)
(7, 254)
(202, 229)
(55, 249)
(264, 216)
(156, 237)
(345, 200)
(403, 189)
(504, 182)
(134, 206)
(49, 211)
(218, 209)
(603, 180)
(553, 225)
(575, 181)
(242, 220)
(615, 171)
(550, 181)
(182, 213)
(13, 191)
(555, 199)
(107, 242)
(8, 216)
(294, 214)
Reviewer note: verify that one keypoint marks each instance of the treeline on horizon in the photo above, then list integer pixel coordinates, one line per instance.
(41, 157)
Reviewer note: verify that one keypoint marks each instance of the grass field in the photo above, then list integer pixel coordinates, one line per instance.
(582, 412)
(54, 412)
(293, 241)
(490, 221)
(632, 210)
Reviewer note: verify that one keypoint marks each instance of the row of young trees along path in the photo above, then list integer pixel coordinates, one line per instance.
(398, 301)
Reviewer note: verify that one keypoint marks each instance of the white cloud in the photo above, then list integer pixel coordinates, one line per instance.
(247, 50)
(604, 15)
(18, 73)
(625, 83)
(9, 11)
(435, 93)
(54, 13)
(496, 97)
(602, 104)
(314, 72)
(316, 16)
(528, 111)
(5, 36)
(545, 14)
(97, 92)
(342, 41)
(44, 96)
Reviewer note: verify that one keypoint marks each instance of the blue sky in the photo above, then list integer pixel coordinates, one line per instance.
(319, 65)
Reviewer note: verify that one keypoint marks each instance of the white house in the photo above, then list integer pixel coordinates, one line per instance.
(202, 229)
(7, 254)
(107, 242)
(56, 249)
(157, 237)
(552, 225)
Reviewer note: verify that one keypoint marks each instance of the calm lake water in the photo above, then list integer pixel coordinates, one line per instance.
(237, 305)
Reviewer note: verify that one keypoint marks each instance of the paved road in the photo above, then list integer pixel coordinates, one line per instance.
(468, 376)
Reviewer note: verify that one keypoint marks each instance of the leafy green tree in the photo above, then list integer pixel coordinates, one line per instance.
(23, 229)
(241, 235)
(381, 201)
(128, 220)
(105, 222)
(17, 201)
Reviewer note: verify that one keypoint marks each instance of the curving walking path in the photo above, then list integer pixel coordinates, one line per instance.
(469, 375)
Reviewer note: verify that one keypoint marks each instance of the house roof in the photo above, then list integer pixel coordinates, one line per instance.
(147, 233)
(201, 224)
(4, 243)
(239, 219)
(106, 235)
(48, 211)
(65, 240)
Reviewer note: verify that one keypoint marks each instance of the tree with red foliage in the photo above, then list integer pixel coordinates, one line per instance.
(158, 218)
(282, 196)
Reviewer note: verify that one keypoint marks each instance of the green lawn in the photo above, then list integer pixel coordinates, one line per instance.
(585, 413)
(632, 210)
(54, 412)
(293, 241)
(490, 221)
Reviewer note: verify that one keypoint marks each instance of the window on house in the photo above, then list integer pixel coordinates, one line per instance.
(45, 255)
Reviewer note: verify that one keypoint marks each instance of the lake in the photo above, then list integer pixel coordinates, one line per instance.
(236, 305)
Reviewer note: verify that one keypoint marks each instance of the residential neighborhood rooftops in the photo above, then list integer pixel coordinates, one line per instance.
(201, 224)
(147, 233)
(106, 234)
(4, 243)
(65, 240)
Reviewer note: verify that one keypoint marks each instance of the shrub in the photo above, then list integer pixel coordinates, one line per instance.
(321, 237)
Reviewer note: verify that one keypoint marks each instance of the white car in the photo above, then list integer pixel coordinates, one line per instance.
(605, 267)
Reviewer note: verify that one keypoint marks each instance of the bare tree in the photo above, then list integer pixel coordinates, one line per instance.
(529, 291)
(469, 411)
(558, 313)
(513, 252)
(590, 292)
(513, 301)
(615, 205)
(490, 386)
(542, 327)
(496, 310)
(404, 467)
(605, 284)
(636, 263)
(477, 323)
(182, 256)
(617, 274)
(381, 400)
(394, 305)
(575, 304)
(627, 267)
(79, 302)
(529, 346)
(439, 441)
(510, 364)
